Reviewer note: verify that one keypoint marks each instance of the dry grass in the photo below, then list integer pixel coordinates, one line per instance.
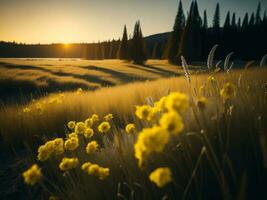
(219, 155)
(48, 75)
(117, 100)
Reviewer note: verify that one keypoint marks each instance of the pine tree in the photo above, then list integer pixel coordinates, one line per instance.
(239, 23)
(175, 36)
(216, 31)
(245, 21)
(227, 21)
(123, 49)
(216, 19)
(258, 15)
(138, 52)
(205, 20)
(252, 20)
(233, 23)
(191, 44)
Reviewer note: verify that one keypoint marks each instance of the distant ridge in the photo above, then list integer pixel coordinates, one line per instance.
(159, 37)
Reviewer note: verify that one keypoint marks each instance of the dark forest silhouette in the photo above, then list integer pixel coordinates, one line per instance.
(191, 37)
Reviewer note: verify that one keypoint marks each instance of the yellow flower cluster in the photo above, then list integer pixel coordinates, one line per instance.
(92, 147)
(80, 128)
(68, 163)
(26, 110)
(95, 117)
(104, 127)
(88, 133)
(71, 124)
(161, 176)
(130, 128)
(95, 170)
(72, 143)
(89, 122)
(150, 140)
(177, 102)
(160, 105)
(169, 110)
(108, 117)
(32, 175)
(228, 91)
(172, 122)
(55, 146)
(143, 112)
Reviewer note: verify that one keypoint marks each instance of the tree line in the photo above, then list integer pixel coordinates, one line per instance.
(192, 37)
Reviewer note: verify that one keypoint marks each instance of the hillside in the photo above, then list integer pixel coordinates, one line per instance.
(21, 77)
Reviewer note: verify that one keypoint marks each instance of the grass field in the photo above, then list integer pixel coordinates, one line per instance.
(219, 154)
(39, 76)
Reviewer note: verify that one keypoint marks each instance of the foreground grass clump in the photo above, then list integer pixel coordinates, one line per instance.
(208, 142)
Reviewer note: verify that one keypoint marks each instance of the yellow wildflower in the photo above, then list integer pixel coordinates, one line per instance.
(96, 170)
(172, 122)
(104, 127)
(88, 133)
(80, 128)
(161, 176)
(26, 110)
(143, 112)
(68, 163)
(130, 128)
(72, 135)
(45, 151)
(108, 117)
(58, 146)
(32, 175)
(160, 105)
(79, 91)
(55, 146)
(95, 117)
(72, 143)
(93, 169)
(202, 102)
(86, 166)
(150, 140)
(103, 173)
(228, 91)
(92, 147)
(89, 122)
(211, 79)
(178, 102)
(71, 124)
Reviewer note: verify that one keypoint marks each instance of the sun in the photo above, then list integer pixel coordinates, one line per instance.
(66, 44)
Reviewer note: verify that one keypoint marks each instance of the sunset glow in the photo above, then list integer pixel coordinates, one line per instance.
(66, 21)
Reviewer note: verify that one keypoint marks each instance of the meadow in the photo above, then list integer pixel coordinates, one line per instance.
(21, 77)
(207, 136)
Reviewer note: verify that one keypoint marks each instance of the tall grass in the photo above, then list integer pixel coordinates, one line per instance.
(221, 154)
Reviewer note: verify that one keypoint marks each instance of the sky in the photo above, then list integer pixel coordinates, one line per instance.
(75, 21)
